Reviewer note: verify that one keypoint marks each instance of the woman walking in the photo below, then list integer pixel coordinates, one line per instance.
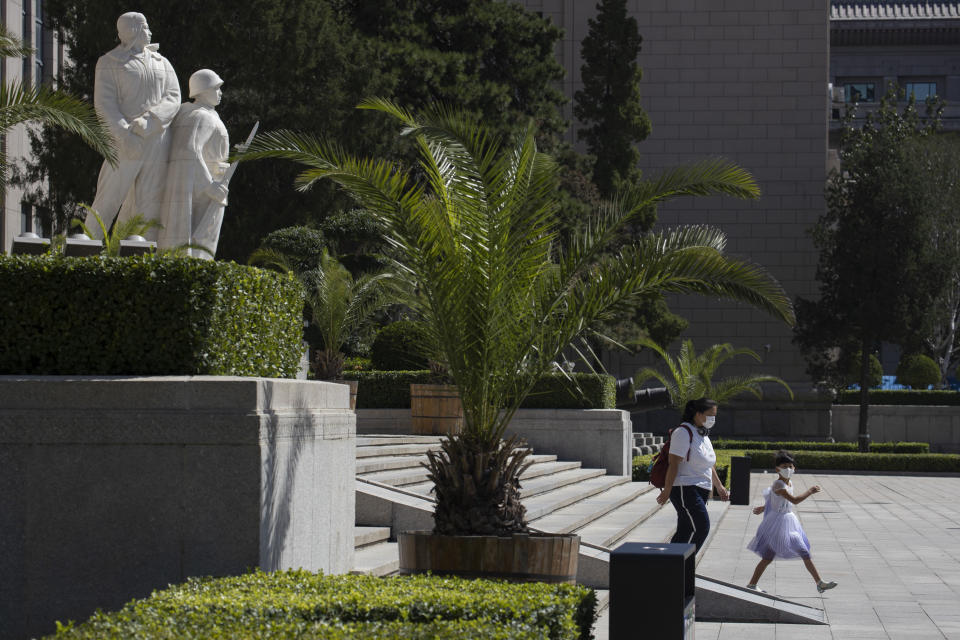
(692, 472)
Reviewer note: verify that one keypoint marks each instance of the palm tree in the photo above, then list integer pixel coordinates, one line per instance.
(476, 233)
(19, 103)
(338, 305)
(134, 226)
(690, 376)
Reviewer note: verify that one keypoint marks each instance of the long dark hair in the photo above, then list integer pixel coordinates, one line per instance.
(700, 405)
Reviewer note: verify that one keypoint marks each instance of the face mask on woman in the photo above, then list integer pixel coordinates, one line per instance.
(709, 422)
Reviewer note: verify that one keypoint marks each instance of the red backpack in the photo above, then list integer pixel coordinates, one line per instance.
(661, 461)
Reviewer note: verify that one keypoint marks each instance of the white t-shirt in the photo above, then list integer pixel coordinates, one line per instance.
(696, 471)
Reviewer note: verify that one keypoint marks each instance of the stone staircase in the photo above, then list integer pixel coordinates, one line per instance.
(560, 497)
(645, 444)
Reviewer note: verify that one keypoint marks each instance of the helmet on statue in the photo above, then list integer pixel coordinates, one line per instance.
(203, 80)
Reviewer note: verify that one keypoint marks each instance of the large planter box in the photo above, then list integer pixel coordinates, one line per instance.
(113, 487)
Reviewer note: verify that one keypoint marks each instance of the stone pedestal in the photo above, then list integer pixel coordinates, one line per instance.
(113, 487)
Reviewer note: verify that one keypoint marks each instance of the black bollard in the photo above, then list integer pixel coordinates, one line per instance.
(652, 591)
(740, 480)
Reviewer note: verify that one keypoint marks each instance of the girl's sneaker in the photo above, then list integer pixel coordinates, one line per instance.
(754, 587)
(823, 586)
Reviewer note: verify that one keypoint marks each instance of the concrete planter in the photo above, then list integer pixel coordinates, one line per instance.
(537, 557)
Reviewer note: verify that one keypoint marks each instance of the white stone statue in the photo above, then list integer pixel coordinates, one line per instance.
(196, 188)
(137, 93)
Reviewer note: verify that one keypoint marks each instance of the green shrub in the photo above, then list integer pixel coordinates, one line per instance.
(386, 389)
(918, 371)
(305, 605)
(788, 445)
(875, 375)
(355, 363)
(302, 246)
(899, 447)
(400, 346)
(147, 315)
(902, 397)
(582, 391)
(875, 447)
(842, 461)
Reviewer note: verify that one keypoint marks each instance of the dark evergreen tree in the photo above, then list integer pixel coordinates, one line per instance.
(609, 104)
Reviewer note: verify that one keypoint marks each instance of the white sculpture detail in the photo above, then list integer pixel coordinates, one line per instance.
(137, 93)
(196, 190)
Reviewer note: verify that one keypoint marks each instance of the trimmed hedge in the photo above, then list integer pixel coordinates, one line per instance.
(875, 447)
(147, 315)
(306, 605)
(641, 464)
(391, 390)
(840, 461)
(555, 391)
(902, 396)
(386, 389)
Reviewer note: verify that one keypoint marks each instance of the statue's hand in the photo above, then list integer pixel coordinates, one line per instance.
(131, 146)
(139, 126)
(217, 192)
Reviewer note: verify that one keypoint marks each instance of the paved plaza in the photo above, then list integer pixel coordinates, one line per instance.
(892, 542)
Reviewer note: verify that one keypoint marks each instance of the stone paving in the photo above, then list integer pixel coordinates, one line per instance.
(892, 542)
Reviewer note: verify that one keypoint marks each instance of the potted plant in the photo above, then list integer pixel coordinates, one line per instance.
(501, 301)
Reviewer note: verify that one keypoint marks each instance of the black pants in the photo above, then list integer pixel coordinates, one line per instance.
(693, 523)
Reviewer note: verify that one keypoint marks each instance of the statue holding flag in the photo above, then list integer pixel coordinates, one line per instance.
(198, 174)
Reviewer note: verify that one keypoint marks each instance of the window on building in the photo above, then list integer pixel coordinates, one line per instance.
(27, 31)
(26, 217)
(921, 90)
(38, 41)
(860, 91)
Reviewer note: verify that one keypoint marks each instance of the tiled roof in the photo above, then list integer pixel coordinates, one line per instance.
(886, 10)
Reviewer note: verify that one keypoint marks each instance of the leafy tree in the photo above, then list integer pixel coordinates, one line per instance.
(690, 376)
(876, 270)
(939, 158)
(609, 104)
(474, 227)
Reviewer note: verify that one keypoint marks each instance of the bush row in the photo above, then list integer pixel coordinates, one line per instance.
(902, 396)
(391, 390)
(875, 447)
(305, 605)
(147, 315)
(641, 466)
(843, 461)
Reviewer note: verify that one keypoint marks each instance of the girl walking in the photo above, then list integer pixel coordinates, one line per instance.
(780, 534)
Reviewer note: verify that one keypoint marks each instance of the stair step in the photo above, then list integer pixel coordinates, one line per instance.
(374, 439)
(363, 536)
(378, 559)
(386, 463)
(610, 529)
(546, 467)
(398, 477)
(540, 505)
(383, 450)
(554, 481)
(588, 511)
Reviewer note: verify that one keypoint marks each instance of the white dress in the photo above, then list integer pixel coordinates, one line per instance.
(780, 534)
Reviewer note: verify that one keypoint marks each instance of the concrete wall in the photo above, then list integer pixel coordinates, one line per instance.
(600, 438)
(113, 487)
(802, 419)
(940, 426)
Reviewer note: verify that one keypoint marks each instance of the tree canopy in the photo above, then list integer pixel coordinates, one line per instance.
(877, 270)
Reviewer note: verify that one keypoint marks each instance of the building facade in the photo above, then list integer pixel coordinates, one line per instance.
(25, 20)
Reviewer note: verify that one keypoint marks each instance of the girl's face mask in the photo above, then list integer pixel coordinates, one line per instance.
(785, 472)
